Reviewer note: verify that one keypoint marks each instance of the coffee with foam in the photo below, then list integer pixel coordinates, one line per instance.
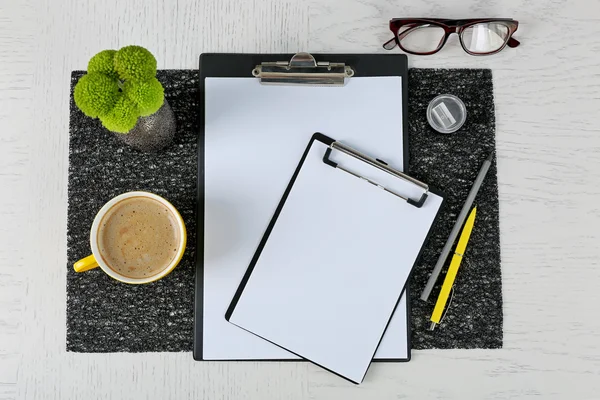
(139, 237)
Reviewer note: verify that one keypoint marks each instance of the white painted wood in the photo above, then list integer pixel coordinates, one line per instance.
(548, 140)
(16, 75)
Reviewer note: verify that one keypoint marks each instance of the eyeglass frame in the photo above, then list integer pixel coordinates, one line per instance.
(451, 26)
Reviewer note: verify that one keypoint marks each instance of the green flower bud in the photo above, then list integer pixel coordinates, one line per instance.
(104, 63)
(96, 94)
(149, 95)
(123, 116)
(135, 62)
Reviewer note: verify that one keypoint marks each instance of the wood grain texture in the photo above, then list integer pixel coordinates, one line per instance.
(16, 71)
(548, 142)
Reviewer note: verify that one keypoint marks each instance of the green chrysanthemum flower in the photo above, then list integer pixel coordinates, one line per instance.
(135, 62)
(123, 116)
(120, 87)
(104, 63)
(149, 95)
(95, 94)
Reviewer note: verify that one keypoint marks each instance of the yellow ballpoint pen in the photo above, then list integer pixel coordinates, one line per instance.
(440, 304)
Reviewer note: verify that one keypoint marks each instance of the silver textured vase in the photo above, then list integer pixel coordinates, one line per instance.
(152, 133)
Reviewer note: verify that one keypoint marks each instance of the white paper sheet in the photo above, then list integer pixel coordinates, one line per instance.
(335, 263)
(254, 138)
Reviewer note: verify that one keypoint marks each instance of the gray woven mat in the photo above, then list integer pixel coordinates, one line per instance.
(451, 163)
(104, 315)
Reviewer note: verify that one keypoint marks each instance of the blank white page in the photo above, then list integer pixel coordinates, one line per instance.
(254, 137)
(335, 264)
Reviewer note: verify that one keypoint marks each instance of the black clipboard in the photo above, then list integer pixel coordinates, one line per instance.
(231, 65)
(416, 202)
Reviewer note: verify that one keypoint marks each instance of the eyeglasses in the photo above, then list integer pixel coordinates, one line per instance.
(478, 37)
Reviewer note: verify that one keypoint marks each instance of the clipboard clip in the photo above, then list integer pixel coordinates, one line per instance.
(380, 165)
(303, 69)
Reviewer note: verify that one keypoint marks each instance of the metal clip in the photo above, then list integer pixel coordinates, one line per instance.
(303, 69)
(380, 165)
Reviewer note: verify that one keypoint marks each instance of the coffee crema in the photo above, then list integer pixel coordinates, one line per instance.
(139, 237)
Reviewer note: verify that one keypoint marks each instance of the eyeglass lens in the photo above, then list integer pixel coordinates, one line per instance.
(485, 37)
(421, 38)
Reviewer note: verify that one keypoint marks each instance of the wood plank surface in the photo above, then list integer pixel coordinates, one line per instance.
(548, 139)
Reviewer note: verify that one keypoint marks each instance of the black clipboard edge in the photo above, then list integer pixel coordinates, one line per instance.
(302, 358)
(328, 141)
(317, 136)
(240, 65)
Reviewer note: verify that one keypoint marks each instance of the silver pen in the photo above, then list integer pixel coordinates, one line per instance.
(459, 222)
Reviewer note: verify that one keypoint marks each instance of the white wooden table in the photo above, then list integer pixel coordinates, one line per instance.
(548, 139)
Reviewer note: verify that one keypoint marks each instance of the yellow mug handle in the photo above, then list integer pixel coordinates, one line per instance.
(85, 264)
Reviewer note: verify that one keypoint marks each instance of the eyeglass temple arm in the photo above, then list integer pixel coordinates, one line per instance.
(512, 42)
(411, 27)
(392, 40)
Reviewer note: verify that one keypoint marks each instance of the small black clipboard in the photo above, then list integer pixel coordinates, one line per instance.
(227, 65)
(319, 137)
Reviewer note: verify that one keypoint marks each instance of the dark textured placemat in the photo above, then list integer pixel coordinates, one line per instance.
(451, 163)
(104, 315)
